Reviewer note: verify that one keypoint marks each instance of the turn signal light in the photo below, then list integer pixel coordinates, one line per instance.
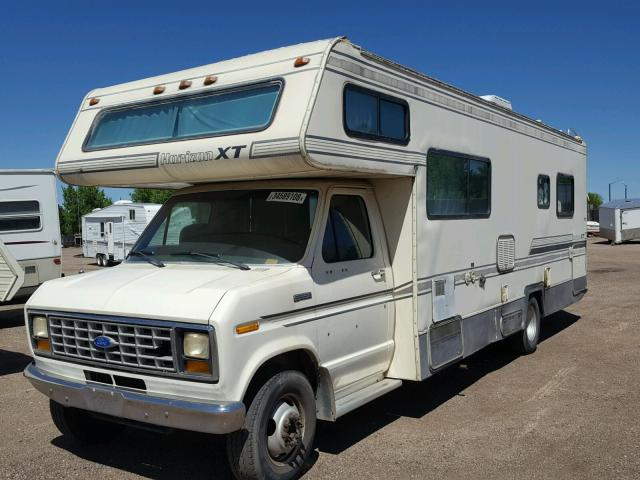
(197, 366)
(247, 327)
(301, 62)
(43, 344)
(210, 80)
(184, 84)
(158, 90)
(93, 101)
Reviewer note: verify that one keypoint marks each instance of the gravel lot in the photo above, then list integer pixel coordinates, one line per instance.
(571, 410)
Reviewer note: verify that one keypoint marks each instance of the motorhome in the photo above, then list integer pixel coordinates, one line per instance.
(109, 233)
(29, 231)
(349, 224)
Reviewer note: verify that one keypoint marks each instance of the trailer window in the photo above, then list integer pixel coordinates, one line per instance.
(347, 235)
(246, 109)
(132, 214)
(458, 185)
(565, 194)
(374, 115)
(19, 215)
(544, 191)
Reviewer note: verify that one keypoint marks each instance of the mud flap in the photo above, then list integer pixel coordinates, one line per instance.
(11, 274)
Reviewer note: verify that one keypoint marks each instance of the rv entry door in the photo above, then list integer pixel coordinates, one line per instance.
(109, 233)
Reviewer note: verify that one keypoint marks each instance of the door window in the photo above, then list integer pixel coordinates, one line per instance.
(347, 235)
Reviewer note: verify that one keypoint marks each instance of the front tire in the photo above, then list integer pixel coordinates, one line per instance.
(278, 432)
(526, 341)
(81, 426)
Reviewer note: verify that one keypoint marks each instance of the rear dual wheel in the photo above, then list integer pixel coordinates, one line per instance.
(278, 432)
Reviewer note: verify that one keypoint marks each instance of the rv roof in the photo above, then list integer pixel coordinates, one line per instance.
(622, 203)
(292, 52)
(27, 171)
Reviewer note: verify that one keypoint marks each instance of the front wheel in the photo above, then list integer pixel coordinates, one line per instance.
(526, 341)
(278, 432)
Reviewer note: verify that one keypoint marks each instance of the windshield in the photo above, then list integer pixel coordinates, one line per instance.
(244, 226)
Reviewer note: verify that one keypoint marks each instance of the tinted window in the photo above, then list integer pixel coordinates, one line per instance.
(19, 207)
(375, 115)
(544, 191)
(564, 189)
(457, 185)
(361, 112)
(19, 223)
(132, 214)
(347, 235)
(16, 215)
(219, 113)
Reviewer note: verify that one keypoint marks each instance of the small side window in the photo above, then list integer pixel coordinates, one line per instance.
(565, 195)
(544, 191)
(102, 229)
(374, 115)
(132, 214)
(347, 235)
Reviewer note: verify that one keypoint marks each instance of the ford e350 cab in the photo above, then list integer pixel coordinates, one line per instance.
(341, 224)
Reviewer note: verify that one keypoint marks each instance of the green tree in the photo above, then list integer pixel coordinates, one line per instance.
(78, 201)
(150, 195)
(594, 200)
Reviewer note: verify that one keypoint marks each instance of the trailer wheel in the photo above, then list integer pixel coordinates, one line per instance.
(526, 341)
(99, 260)
(279, 430)
(81, 426)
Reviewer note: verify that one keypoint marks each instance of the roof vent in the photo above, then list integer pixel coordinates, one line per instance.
(122, 202)
(504, 103)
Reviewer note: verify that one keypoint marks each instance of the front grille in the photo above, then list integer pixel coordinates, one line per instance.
(138, 346)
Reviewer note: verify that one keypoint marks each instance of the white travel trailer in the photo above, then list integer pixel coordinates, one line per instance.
(620, 220)
(29, 231)
(352, 224)
(109, 233)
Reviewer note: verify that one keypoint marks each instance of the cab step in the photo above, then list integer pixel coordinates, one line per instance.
(358, 398)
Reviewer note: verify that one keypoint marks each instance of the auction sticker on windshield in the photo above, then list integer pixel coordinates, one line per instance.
(289, 197)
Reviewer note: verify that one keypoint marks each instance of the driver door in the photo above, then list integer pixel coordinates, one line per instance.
(352, 281)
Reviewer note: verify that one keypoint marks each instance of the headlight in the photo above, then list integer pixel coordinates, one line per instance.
(196, 345)
(40, 329)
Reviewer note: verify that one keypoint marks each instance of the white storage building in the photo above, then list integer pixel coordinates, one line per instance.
(620, 220)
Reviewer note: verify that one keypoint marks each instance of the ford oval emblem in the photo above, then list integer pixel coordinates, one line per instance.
(103, 342)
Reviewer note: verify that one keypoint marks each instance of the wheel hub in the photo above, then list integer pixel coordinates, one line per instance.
(532, 325)
(287, 430)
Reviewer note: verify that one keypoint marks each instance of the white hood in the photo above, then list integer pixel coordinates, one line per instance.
(176, 292)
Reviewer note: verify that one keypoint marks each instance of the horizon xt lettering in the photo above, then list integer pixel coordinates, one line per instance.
(206, 156)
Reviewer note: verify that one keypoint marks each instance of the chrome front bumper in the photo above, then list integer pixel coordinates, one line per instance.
(207, 417)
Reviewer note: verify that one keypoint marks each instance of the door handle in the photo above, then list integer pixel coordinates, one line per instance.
(378, 275)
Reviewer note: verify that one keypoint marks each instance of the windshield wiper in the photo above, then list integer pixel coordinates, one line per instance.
(147, 257)
(218, 259)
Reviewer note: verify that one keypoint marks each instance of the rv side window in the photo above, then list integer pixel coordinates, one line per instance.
(458, 185)
(564, 192)
(374, 115)
(132, 214)
(246, 109)
(347, 235)
(19, 215)
(544, 191)
(102, 229)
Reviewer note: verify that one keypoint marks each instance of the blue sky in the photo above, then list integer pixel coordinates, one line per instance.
(568, 63)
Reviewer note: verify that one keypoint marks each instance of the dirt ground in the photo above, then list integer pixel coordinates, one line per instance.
(571, 410)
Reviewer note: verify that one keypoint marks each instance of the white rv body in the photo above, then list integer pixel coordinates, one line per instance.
(29, 231)
(620, 220)
(433, 287)
(109, 233)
